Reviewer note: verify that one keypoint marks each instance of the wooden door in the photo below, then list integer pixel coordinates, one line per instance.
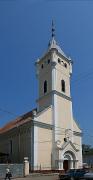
(65, 165)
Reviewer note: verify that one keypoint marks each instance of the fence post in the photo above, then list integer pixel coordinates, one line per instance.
(26, 166)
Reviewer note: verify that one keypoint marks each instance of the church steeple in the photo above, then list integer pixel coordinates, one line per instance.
(49, 82)
(52, 41)
(53, 44)
(53, 29)
(54, 107)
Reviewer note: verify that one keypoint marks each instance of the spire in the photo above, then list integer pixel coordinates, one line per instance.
(53, 29)
(52, 43)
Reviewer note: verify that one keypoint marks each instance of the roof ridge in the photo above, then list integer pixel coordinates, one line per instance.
(20, 120)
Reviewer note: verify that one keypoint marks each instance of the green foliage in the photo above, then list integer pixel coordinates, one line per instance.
(87, 149)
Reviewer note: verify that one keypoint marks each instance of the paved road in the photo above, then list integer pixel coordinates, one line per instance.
(39, 177)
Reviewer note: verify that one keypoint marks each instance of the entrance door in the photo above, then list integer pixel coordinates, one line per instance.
(65, 165)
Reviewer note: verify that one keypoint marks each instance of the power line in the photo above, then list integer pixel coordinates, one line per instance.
(83, 76)
(58, 130)
(8, 112)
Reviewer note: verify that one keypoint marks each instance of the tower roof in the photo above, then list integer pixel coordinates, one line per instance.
(53, 44)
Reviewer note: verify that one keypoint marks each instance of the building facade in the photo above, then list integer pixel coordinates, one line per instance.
(48, 135)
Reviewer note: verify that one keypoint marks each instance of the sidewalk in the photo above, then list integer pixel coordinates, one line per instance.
(39, 177)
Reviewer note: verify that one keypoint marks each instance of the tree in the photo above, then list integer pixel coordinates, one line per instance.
(87, 149)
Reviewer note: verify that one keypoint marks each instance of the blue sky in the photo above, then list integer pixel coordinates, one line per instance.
(25, 30)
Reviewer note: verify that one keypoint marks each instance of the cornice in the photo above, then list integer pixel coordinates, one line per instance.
(42, 125)
(77, 133)
(55, 92)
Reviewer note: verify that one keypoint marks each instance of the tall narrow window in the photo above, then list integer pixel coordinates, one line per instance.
(11, 146)
(45, 86)
(63, 85)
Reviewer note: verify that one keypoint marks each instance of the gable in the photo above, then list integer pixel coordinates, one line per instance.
(69, 146)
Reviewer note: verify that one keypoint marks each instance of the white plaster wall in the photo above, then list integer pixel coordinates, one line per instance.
(44, 148)
(44, 74)
(45, 116)
(45, 102)
(78, 144)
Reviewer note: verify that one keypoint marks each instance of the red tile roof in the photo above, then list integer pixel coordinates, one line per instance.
(17, 122)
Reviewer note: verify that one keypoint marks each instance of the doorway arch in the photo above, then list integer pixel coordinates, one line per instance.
(69, 160)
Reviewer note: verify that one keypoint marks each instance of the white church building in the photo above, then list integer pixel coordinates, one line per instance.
(48, 135)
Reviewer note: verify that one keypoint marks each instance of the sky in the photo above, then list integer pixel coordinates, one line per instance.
(25, 30)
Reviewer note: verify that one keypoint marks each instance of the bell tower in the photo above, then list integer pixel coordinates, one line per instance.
(54, 70)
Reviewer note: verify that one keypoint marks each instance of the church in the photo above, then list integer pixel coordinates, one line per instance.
(48, 135)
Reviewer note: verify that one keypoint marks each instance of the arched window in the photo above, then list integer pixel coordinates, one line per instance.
(48, 61)
(63, 85)
(42, 66)
(45, 86)
(65, 65)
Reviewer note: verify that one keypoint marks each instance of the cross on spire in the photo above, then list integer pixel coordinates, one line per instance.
(53, 29)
